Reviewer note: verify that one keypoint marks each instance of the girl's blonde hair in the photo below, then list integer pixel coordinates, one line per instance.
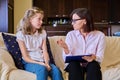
(24, 24)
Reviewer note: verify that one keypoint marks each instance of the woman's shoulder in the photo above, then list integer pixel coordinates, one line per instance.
(98, 33)
(73, 32)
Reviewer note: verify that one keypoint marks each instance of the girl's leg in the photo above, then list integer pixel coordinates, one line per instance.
(55, 73)
(40, 71)
(93, 71)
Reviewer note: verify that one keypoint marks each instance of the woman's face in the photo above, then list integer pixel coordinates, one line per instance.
(77, 22)
(36, 21)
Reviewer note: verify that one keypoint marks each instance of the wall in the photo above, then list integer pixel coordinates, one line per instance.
(115, 28)
(20, 6)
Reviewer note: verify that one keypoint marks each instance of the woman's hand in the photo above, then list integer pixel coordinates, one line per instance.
(89, 58)
(62, 44)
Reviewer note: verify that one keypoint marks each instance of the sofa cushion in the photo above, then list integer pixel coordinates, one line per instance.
(57, 50)
(6, 64)
(13, 48)
(111, 55)
(111, 74)
(21, 75)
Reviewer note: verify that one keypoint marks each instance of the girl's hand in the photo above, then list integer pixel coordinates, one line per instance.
(48, 67)
(89, 58)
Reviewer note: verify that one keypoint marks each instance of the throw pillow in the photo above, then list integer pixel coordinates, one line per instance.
(13, 48)
(49, 51)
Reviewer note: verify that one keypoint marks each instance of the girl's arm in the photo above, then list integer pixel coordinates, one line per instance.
(45, 54)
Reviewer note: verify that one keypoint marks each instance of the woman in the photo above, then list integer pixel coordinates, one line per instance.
(83, 40)
(32, 41)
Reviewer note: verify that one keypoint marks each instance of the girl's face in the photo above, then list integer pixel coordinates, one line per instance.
(36, 21)
(77, 22)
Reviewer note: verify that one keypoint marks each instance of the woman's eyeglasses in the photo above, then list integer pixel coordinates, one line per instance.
(74, 20)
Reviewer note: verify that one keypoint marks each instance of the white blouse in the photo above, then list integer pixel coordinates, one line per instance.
(94, 43)
(33, 44)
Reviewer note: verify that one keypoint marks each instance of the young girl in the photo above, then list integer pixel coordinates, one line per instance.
(32, 42)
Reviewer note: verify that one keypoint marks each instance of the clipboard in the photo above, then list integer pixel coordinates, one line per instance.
(75, 58)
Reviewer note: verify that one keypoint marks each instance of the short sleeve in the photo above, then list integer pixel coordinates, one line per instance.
(44, 34)
(20, 36)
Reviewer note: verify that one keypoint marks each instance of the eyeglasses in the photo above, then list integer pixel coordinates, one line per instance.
(74, 20)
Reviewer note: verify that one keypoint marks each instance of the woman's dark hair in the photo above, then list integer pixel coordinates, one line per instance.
(84, 13)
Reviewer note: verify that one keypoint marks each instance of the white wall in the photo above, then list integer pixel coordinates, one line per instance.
(20, 6)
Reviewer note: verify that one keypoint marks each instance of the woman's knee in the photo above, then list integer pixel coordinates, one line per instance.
(93, 65)
(73, 67)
